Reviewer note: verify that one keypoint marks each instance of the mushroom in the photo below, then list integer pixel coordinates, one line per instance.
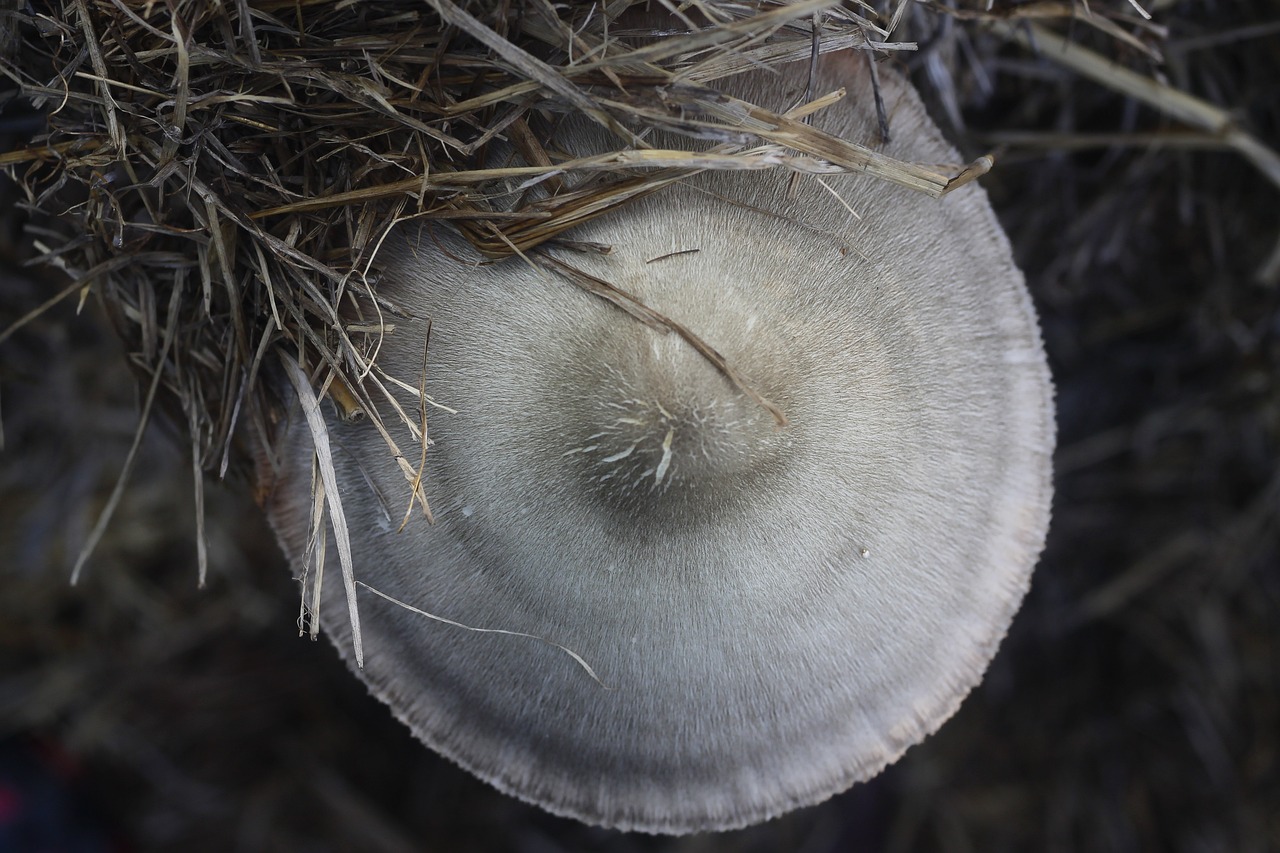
(774, 614)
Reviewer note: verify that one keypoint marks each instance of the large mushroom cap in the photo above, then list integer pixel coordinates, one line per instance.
(777, 612)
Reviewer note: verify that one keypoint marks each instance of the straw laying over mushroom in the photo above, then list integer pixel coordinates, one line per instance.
(246, 160)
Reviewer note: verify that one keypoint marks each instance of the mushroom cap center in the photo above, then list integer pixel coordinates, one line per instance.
(651, 426)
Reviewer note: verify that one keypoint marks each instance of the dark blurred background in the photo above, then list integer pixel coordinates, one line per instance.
(1135, 705)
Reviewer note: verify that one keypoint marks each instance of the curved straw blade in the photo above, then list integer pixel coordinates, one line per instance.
(338, 518)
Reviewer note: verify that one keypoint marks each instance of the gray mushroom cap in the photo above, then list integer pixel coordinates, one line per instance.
(777, 613)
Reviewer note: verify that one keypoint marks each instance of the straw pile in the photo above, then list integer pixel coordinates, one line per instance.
(216, 178)
(225, 173)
